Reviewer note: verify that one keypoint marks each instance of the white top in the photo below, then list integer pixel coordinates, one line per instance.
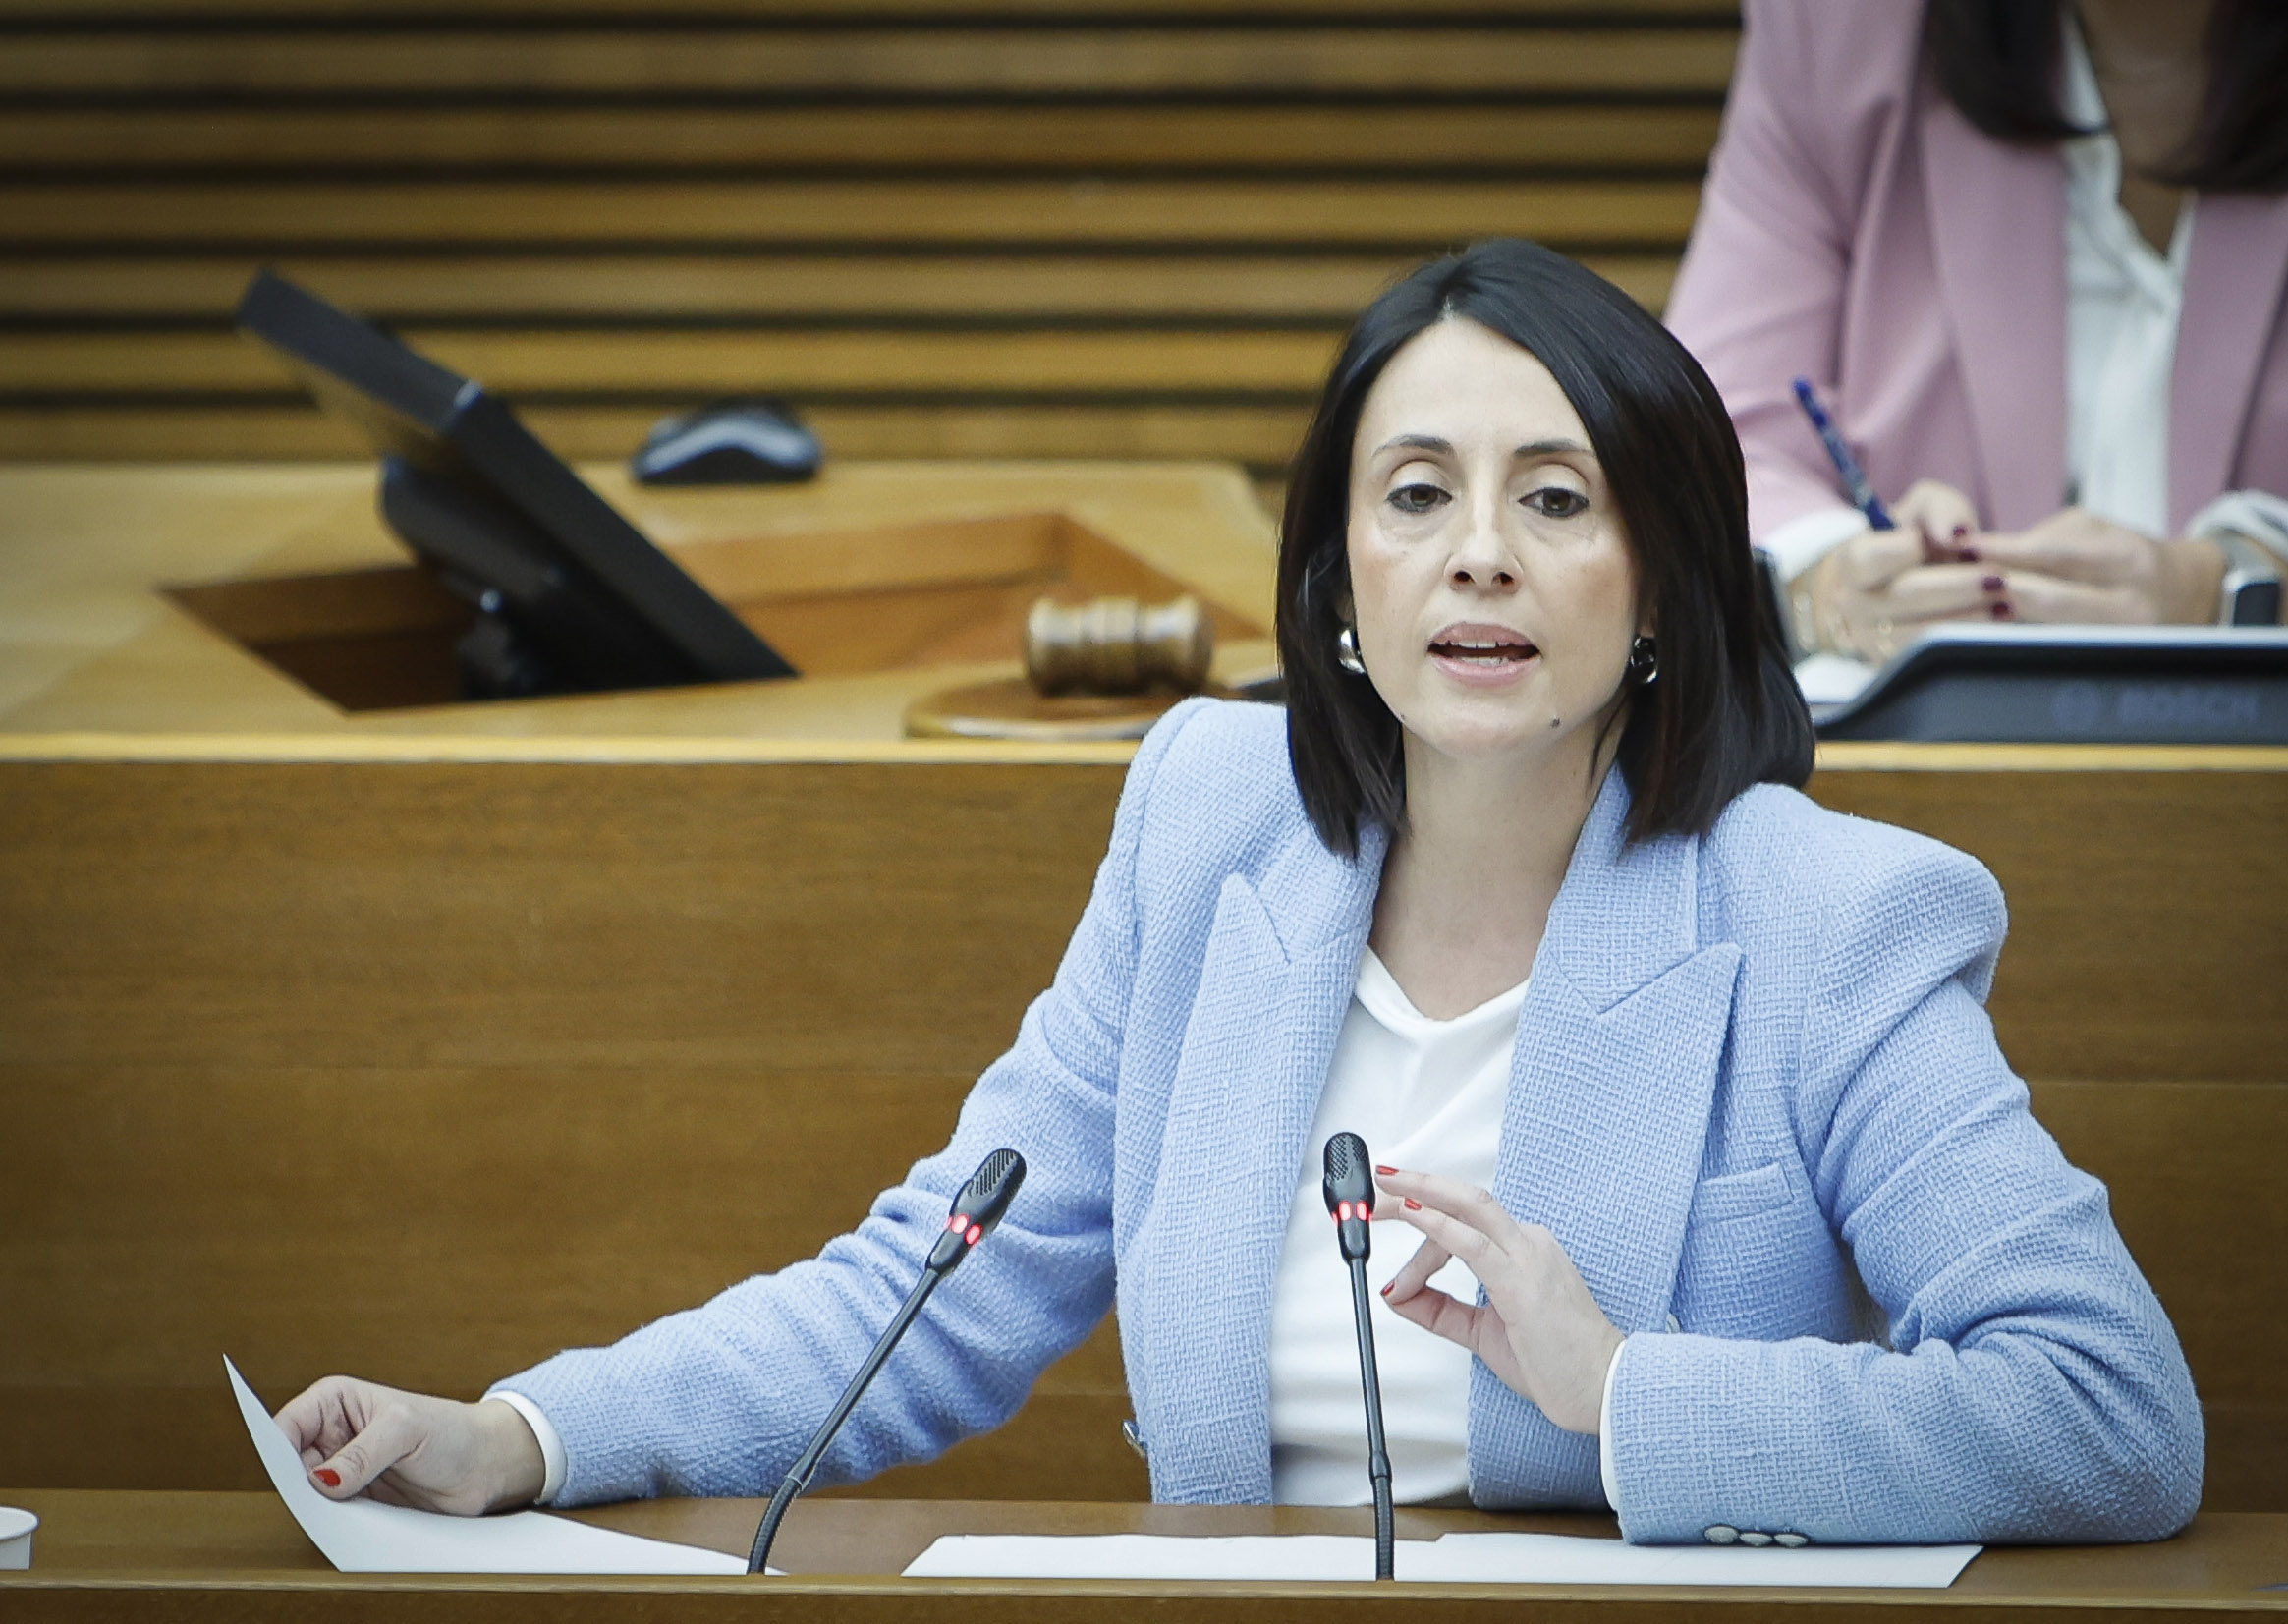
(2122, 304)
(1425, 1095)
(2123, 301)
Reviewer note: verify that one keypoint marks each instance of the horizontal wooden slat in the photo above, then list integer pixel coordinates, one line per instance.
(710, 360)
(1268, 287)
(1365, 138)
(77, 11)
(1389, 213)
(822, 61)
(1261, 435)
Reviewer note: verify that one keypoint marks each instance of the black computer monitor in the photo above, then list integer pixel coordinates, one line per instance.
(567, 595)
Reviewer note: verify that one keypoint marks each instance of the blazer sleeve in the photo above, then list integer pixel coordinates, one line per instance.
(721, 1398)
(2033, 1390)
(1759, 299)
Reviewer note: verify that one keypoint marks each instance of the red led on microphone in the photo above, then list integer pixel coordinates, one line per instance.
(976, 1233)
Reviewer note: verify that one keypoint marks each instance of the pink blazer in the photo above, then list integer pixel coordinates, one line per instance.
(1856, 230)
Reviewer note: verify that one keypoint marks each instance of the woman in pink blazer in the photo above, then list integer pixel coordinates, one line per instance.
(1979, 226)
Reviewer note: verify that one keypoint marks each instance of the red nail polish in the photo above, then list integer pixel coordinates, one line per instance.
(1386, 1288)
(1960, 531)
(1992, 583)
(329, 1476)
(1413, 1205)
(1969, 555)
(1385, 1171)
(2003, 612)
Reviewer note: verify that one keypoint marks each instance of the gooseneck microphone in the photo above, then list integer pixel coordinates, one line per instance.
(977, 1209)
(1349, 1187)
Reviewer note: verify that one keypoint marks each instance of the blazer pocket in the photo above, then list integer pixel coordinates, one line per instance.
(1740, 1194)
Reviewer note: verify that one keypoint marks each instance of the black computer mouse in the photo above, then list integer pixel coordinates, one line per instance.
(739, 442)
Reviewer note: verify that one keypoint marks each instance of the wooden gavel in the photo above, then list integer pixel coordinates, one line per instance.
(1117, 646)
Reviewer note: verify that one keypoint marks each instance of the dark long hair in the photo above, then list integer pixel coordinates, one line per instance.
(1998, 61)
(1725, 713)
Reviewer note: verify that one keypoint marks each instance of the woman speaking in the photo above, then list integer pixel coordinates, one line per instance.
(1730, 1212)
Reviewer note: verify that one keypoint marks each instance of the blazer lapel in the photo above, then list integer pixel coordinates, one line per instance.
(1282, 961)
(1619, 1044)
(1998, 232)
(2234, 287)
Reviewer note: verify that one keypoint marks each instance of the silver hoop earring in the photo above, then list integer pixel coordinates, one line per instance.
(1645, 661)
(1347, 652)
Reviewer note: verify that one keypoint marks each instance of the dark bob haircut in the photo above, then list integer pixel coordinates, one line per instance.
(1724, 713)
(1998, 61)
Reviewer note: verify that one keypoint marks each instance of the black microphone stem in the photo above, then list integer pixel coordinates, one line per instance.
(799, 1474)
(1378, 1457)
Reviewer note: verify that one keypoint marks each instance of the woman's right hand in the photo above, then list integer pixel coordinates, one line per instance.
(1872, 595)
(436, 1454)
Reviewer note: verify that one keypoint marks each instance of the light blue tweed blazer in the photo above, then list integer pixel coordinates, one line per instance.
(1755, 1090)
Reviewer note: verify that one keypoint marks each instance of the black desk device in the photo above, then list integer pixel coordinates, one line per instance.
(567, 595)
(2086, 685)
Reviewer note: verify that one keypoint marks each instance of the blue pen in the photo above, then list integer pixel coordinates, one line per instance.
(1862, 496)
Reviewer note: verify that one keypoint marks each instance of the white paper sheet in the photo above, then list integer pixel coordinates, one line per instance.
(1456, 1559)
(1561, 1559)
(1157, 1556)
(367, 1537)
(1833, 679)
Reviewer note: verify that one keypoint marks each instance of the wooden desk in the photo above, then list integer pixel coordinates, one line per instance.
(882, 581)
(652, 975)
(162, 1557)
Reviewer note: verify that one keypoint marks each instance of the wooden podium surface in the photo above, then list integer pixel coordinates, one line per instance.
(191, 1556)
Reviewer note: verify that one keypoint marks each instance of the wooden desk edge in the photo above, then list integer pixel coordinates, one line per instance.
(572, 750)
(207, 1580)
(568, 750)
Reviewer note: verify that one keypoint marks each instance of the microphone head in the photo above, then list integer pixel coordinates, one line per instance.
(991, 1189)
(1349, 1187)
(1350, 1176)
(978, 1209)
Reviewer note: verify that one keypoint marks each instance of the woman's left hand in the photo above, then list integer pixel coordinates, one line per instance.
(1540, 1331)
(2077, 568)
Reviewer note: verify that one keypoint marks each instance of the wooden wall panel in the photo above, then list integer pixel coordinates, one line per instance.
(2147, 943)
(860, 917)
(424, 1070)
(549, 179)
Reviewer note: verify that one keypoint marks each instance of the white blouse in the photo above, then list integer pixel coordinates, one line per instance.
(2123, 301)
(1426, 1095)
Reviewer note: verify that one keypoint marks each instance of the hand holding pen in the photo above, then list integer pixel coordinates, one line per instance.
(1918, 564)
